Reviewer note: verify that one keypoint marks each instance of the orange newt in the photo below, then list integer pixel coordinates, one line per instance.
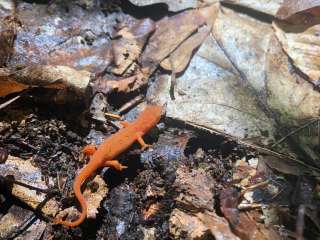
(107, 152)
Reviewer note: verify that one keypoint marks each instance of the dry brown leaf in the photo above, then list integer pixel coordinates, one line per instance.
(199, 226)
(242, 223)
(302, 44)
(128, 48)
(291, 7)
(182, 55)
(48, 76)
(122, 85)
(151, 210)
(210, 13)
(8, 86)
(169, 33)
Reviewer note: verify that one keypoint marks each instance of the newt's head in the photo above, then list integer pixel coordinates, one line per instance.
(150, 116)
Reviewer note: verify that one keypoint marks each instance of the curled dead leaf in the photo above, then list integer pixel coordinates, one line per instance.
(182, 55)
(151, 210)
(169, 33)
(49, 76)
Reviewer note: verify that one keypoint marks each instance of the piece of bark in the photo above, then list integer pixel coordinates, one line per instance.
(201, 225)
(195, 189)
(16, 224)
(94, 192)
(24, 172)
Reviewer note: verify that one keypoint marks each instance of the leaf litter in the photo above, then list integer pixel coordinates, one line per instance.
(230, 159)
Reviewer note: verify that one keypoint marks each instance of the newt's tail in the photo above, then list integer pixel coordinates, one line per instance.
(77, 190)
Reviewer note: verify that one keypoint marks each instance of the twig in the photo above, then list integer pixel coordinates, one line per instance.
(295, 131)
(173, 78)
(254, 146)
(131, 103)
(116, 116)
(300, 222)
(261, 184)
(6, 179)
(3, 105)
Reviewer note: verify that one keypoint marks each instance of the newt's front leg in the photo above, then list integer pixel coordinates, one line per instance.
(115, 164)
(141, 141)
(89, 149)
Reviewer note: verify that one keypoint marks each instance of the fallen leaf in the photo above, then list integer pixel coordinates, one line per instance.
(151, 210)
(301, 41)
(128, 48)
(291, 7)
(242, 223)
(200, 225)
(182, 55)
(169, 34)
(125, 85)
(175, 6)
(268, 7)
(48, 76)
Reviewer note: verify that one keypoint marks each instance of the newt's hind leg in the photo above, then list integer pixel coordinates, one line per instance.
(89, 149)
(115, 164)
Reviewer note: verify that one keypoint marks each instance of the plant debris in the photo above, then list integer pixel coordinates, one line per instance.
(234, 156)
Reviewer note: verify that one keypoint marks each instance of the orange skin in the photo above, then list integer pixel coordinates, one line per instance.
(107, 152)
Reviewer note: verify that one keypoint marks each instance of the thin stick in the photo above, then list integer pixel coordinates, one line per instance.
(254, 146)
(295, 131)
(3, 105)
(173, 78)
(131, 103)
(116, 116)
(26, 185)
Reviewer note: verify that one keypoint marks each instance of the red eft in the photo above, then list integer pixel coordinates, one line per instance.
(113, 146)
